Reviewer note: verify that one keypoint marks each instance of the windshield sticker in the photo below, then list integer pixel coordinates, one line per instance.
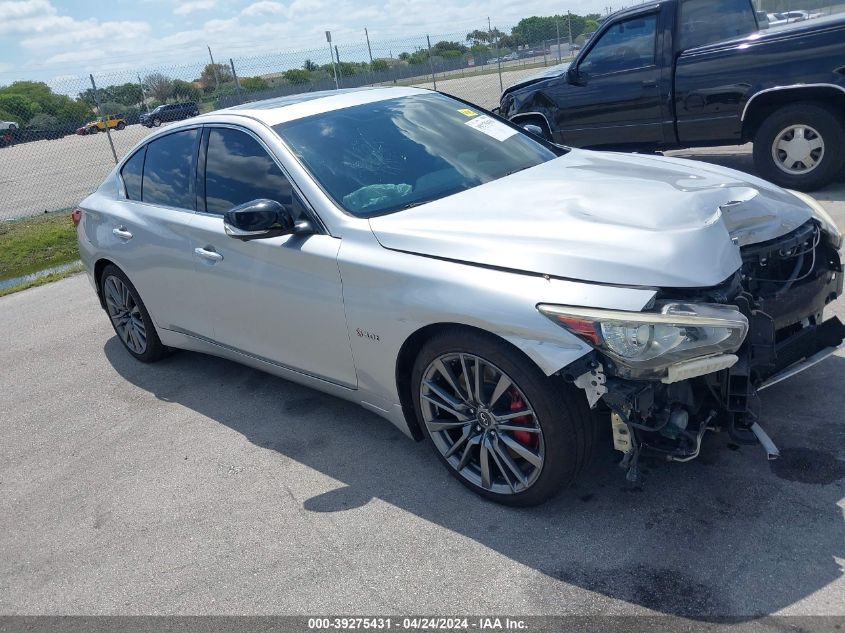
(491, 127)
(467, 112)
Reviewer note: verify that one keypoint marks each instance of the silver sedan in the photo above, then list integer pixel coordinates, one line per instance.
(470, 282)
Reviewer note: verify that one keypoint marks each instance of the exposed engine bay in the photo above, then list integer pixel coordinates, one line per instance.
(781, 289)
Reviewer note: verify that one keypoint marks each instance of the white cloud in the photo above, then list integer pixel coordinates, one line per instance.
(265, 7)
(185, 8)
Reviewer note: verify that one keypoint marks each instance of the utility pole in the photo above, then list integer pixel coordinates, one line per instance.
(331, 54)
(369, 50)
(103, 116)
(569, 19)
(237, 81)
(431, 62)
(337, 54)
(557, 26)
(214, 68)
(143, 95)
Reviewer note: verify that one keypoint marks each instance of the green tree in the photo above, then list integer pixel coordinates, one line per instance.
(213, 74)
(44, 122)
(254, 84)
(185, 91)
(128, 93)
(20, 106)
(379, 66)
(159, 86)
(297, 77)
(310, 66)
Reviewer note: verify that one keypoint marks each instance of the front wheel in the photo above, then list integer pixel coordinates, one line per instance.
(120, 125)
(501, 427)
(129, 316)
(799, 146)
(156, 122)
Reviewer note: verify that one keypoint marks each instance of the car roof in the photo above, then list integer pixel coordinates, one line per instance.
(292, 107)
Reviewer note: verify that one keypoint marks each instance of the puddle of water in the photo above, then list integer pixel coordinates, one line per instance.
(16, 281)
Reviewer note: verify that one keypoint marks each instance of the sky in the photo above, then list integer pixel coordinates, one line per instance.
(52, 40)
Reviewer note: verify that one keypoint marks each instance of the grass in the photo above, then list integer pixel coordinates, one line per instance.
(40, 281)
(33, 244)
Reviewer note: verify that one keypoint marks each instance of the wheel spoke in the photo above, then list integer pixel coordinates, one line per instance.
(514, 427)
(815, 143)
(440, 393)
(467, 454)
(514, 414)
(506, 459)
(478, 380)
(484, 464)
(459, 442)
(523, 451)
(799, 133)
(501, 387)
(465, 374)
(444, 370)
(441, 405)
(494, 453)
(445, 425)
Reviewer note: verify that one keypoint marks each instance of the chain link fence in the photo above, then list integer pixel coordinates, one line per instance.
(60, 138)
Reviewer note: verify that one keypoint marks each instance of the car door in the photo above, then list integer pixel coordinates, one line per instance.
(146, 231)
(614, 98)
(280, 298)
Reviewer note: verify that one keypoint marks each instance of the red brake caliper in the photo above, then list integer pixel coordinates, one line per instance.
(523, 437)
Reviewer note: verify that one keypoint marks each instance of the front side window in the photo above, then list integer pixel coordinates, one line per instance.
(705, 21)
(626, 45)
(238, 169)
(169, 170)
(131, 173)
(381, 157)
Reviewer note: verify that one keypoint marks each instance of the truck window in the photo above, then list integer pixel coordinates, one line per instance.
(626, 45)
(707, 21)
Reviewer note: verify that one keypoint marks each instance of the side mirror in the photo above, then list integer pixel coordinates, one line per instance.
(258, 219)
(536, 130)
(576, 77)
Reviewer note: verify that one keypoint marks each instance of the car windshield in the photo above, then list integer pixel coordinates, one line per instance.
(385, 156)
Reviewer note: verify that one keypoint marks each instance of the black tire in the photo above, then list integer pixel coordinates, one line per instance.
(830, 128)
(156, 122)
(120, 125)
(561, 411)
(93, 130)
(154, 350)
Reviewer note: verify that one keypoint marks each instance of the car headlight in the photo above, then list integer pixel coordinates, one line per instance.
(649, 342)
(822, 216)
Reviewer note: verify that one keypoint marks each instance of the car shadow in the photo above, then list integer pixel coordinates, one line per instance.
(729, 534)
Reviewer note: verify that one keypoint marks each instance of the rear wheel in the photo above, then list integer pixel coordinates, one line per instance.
(501, 427)
(120, 125)
(156, 122)
(129, 316)
(799, 146)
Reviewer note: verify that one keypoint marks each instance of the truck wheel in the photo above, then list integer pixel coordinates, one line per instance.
(501, 427)
(799, 146)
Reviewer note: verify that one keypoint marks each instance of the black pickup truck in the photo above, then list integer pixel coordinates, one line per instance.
(692, 73)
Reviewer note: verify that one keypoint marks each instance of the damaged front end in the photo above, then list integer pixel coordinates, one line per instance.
(695, 360)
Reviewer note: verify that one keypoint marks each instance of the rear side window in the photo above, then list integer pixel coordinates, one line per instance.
(708, 21)
(132, 171)
(238, 169)
(169, 170)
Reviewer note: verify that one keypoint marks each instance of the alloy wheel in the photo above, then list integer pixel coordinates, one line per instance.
(482, 423)
(798, 149)
(125, 314)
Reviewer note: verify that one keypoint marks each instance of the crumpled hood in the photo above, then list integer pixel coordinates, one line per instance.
(546, 73)
(622, 219)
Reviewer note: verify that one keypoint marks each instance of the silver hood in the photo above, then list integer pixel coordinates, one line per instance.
(622, 219)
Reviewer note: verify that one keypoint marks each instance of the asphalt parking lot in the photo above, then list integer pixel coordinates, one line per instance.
(198, 486)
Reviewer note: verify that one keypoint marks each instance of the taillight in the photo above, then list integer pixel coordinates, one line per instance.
(76, 216)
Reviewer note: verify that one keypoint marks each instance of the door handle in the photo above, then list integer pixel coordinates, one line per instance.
(208, 254)
(650, 83)
(122, 233)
